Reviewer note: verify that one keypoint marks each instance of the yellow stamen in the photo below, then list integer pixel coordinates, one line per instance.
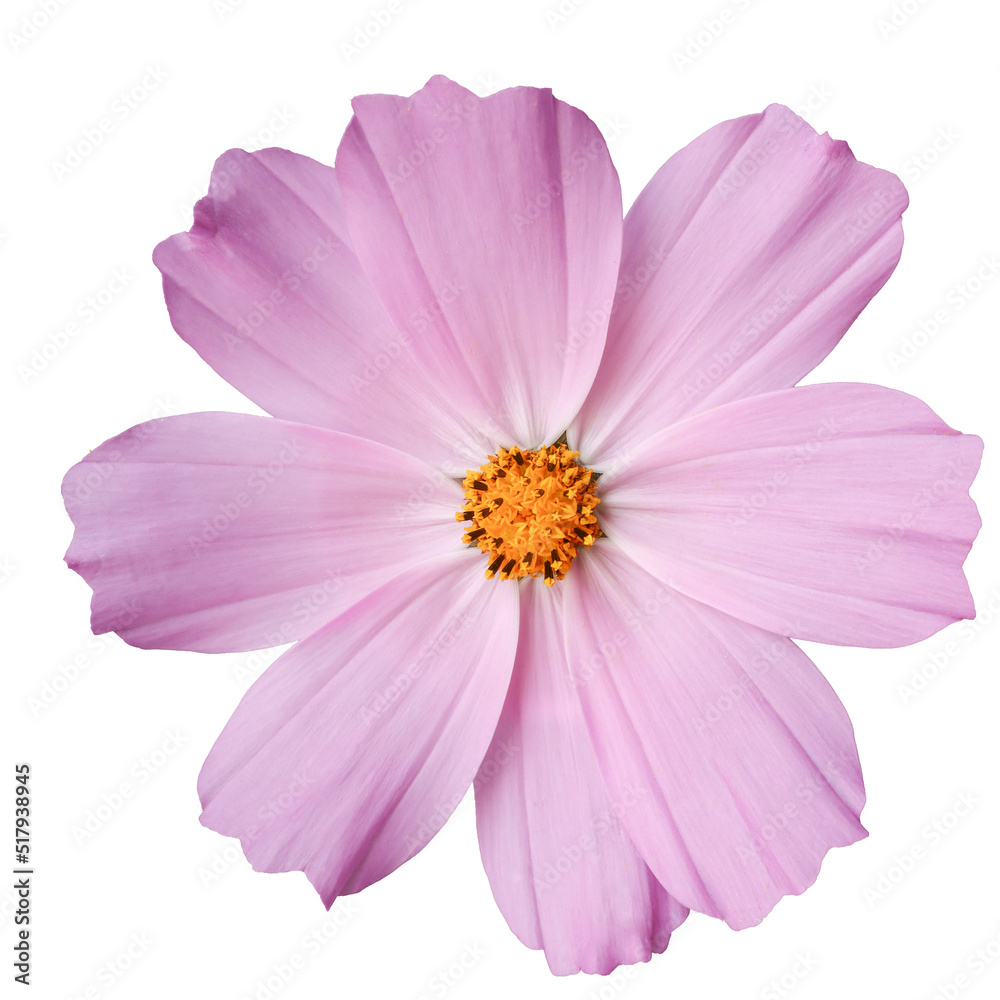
(529, 511)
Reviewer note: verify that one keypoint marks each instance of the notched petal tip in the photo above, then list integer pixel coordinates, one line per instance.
(794, 235)
(532, 244)
(896, 196)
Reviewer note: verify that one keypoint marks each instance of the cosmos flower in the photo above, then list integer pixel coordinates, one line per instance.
(540, 506)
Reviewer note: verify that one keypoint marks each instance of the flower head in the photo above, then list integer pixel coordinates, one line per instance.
(455, 323)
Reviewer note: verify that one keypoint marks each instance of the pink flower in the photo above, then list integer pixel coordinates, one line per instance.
(642, 733)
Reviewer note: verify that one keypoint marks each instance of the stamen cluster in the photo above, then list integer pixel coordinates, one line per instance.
(529, 511)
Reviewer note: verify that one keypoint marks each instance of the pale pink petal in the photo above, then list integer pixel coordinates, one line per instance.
(267, 289)
(221, 531)
(354, 747)
(493, 226)
(745, 259)
(742, 755)
(563, 870)
(838, 513)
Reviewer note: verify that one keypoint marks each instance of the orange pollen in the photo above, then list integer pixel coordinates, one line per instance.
(529, 511)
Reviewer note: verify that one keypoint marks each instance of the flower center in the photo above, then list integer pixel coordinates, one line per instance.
(529, 511)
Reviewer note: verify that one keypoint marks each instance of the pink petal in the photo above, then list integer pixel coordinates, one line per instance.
(495, 227)
(563, 870)
(220, 531)
(745, 259)
(266, 288)
(838, 513)
(743, 754)
(349, 753)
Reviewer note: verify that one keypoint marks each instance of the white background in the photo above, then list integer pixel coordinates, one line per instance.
(918, 97)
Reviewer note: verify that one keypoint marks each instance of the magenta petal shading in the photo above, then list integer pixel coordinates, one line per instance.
(562, 868)
(743, 752)
(745, 259)
(838, 513)
(267, 289)
(220, 531)
(348, 754)
(493, 228)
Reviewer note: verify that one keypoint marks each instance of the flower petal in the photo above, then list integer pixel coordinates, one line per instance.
(838, 513)
(493, 226)
(351, 750)
(563, 870)
(221, 532)
(745, 753)
(745, 259)
(267, 289)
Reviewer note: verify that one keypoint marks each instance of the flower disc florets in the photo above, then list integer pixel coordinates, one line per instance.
(529, 511)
